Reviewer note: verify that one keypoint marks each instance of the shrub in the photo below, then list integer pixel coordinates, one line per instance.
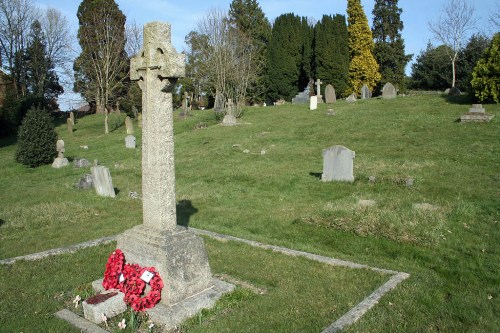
(36, 139)
(485, 79)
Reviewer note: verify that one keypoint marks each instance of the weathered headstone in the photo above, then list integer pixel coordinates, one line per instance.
(129, 125)
(135, 112)
(219, 102)
(60, 161)
(117, 108)
(178, 254)
(130, 141)
(86, 182)
(338, 164)
(313, 103)
(102, 181)
(302, 97)
(72, 117)
(330, 94)
(365, 92)
(318, 90)
(106, 127)
(81, 163)
(351, 98)
(477, 114)
(70, 125)
(389, 91)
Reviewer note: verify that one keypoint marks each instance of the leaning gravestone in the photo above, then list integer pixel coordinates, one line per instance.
(389, 91)
(129, 125)
(178, 254)
(338, 164)
(330, 97)
(102, 181)
(313, 103)
(60, 161)
(365, 92)
(351, 98)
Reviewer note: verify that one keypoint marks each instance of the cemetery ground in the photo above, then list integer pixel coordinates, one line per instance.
(261, 181)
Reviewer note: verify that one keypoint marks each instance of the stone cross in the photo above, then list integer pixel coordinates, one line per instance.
(157, 68)
(60, 148)
(318, 87)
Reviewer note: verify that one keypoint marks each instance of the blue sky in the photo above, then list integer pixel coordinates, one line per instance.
(184, 15)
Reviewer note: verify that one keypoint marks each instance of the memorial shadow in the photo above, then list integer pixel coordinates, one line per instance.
(316, 174)
(461, 99)
(185, 210)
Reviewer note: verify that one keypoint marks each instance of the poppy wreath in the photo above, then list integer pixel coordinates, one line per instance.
(131, 284)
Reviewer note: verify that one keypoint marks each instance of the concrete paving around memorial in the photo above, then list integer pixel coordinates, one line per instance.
(347, 319)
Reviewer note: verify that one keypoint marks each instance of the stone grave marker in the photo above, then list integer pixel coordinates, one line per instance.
(178, 254)
(365, 92)
(129, 125)
(302, 97)
(81, 163)
(86, 182)
(72, 117)
(130, 141)
(313, 102)
(389, 91)
(219, 102)
(318, 90)
(476, 114)
(351, 98)
(102, 181)
(330, 97)
(60, 161)
(454, 91)
(70, 125)
(338, 164)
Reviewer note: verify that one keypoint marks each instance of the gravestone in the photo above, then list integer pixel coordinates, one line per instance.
(318, 90)
(178, 254)
(117, 108)
(70, 125)
(102, 181)
(86, 182)
(219, 103)
(476, 114)
(72, 117)
(313, 103)
(338, 164)
(106, 127)
(129, 125)
(454, 91)
(351, 98)
(389, 91)
(365, 92)
(80, 163)
(135, 112)
(60, 161)
(130, 141)
(330, 97)
(302, 97)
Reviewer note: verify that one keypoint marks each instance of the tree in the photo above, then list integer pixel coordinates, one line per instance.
(41, 80)
(331, 53)
(102, 66)
(452, 27)
(429, 70)
(485, 77)
(36, 139)
(467, 60)
(195, 81)
(57, 37)
(289, 56)
(363, 68)
(133, 33)
(389, 50)
(248, 18)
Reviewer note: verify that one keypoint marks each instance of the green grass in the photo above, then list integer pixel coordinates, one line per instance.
(451, 253)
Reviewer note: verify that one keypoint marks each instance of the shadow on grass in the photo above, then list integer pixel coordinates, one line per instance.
(8, 141)
(185, 209)
(2, 222)
(461, 99)
(316, 174)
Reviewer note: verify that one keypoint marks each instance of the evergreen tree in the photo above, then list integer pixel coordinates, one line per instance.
(467, 60)
(331, 53)
(102, 66)
(485, 77)
(41, 79)
(363, 68)
(36, 139)
(389, 50)
(289, 56)
(249, 19)
(431, 69)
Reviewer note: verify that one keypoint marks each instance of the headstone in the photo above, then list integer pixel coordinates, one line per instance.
(102, 181)
(389, 91)
(81, 163)
(338, 164)
(219, 103)
(117, 107)
(365, 92)
(476, 114)
(302, 97)
(70, 125)
(330, 112)
(454, 91)
(72, 117)
(185, 102)
(318, 90)
(229, 120)
(351, 98)
(60, 161)
(135, 112)
(178, 254)
(106, 127)
(129, 125)
(86, 182)
(313, 103)
(130, 141)
(330, 94)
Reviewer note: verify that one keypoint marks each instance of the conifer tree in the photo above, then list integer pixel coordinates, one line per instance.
(331, 53)
(389, 48)
(363, 68)
(485, 78)
(249, 19)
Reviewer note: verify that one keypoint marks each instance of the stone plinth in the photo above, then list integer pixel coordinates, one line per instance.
(60, 162)
(111, 305)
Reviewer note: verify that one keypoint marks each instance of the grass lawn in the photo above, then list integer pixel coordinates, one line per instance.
(276, 197)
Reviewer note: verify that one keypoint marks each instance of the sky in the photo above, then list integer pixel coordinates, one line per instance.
(184, 15)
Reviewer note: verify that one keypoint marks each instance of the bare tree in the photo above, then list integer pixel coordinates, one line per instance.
(452, 28)
(495, 17)
(133, 33)
(226, 59)
(57, 34)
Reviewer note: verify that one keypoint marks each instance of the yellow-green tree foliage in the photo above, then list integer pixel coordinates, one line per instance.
(486, 74)
(363, 68)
